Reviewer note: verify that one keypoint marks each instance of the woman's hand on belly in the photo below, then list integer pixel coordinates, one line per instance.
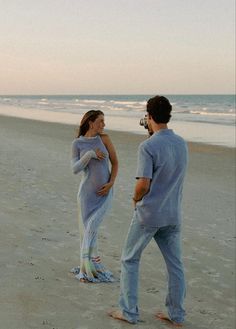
(104, 189)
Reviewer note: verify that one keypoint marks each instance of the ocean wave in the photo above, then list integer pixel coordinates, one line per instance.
(225, 114)
(43, 102)
(215, 109)
(92, 101)
(124, 103)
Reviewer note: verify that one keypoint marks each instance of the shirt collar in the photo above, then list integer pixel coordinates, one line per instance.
(165, 131)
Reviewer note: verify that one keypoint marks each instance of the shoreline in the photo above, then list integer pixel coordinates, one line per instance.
(200, 132)
(192, 144)
(205, 133)
(39, 236)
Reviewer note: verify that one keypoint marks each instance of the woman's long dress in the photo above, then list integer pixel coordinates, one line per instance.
(92, 207)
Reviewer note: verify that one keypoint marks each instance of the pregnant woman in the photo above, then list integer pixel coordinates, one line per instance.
(93, 154)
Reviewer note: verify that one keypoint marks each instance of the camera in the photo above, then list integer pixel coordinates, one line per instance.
(143, 122)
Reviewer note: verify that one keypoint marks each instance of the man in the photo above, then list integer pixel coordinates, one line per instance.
(162, 163)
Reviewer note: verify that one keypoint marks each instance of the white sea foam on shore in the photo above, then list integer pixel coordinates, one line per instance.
(204, 132)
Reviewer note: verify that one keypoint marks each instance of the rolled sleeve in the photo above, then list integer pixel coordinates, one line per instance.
(145, 162)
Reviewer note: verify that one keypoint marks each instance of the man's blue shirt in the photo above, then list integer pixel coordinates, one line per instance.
(162, 158)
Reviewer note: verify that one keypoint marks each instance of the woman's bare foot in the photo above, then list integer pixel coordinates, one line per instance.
(83, 280)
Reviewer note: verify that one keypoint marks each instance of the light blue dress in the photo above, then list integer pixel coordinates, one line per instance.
(92, 207)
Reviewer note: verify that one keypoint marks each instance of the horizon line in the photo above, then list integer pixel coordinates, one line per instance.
(121, 94)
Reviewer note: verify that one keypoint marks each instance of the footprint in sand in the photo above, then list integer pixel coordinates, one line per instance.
(37, 230)
(194, 282)
(205, 311)
(39, 278)
(152, 290)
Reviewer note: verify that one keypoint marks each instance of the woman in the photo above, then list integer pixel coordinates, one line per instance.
(91, 153)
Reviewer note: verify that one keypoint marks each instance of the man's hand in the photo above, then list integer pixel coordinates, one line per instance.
(141, 188)
(134, 202)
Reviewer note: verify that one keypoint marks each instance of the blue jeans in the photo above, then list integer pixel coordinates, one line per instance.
(168, 241)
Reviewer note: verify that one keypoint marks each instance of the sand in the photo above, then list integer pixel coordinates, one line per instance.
(39, 238)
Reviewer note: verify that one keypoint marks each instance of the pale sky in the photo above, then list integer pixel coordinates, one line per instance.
(117, 46)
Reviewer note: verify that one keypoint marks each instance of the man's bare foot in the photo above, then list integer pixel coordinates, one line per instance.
(117, 315)
(162, 317)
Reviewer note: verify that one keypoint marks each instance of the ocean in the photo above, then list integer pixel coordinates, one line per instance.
(200, 118)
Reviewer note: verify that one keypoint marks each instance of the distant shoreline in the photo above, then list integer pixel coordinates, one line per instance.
(202, 118)
(92, 95)
(193, 144)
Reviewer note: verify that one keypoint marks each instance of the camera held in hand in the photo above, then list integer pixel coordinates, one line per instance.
(143, 122)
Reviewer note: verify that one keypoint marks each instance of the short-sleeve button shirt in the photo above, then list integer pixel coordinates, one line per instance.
(163, 159)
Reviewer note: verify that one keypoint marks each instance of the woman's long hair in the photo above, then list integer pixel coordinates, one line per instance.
(84, 123)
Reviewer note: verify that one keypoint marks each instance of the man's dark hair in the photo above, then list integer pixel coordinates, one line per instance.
(159, 108)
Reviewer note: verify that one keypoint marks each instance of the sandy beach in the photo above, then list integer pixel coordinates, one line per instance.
(39, 238)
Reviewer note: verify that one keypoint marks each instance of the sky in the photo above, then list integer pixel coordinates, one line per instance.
(117, 47)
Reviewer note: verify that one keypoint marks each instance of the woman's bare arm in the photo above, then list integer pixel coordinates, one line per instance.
(114, 164)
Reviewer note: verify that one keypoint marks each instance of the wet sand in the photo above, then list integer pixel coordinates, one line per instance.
(39, 238)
